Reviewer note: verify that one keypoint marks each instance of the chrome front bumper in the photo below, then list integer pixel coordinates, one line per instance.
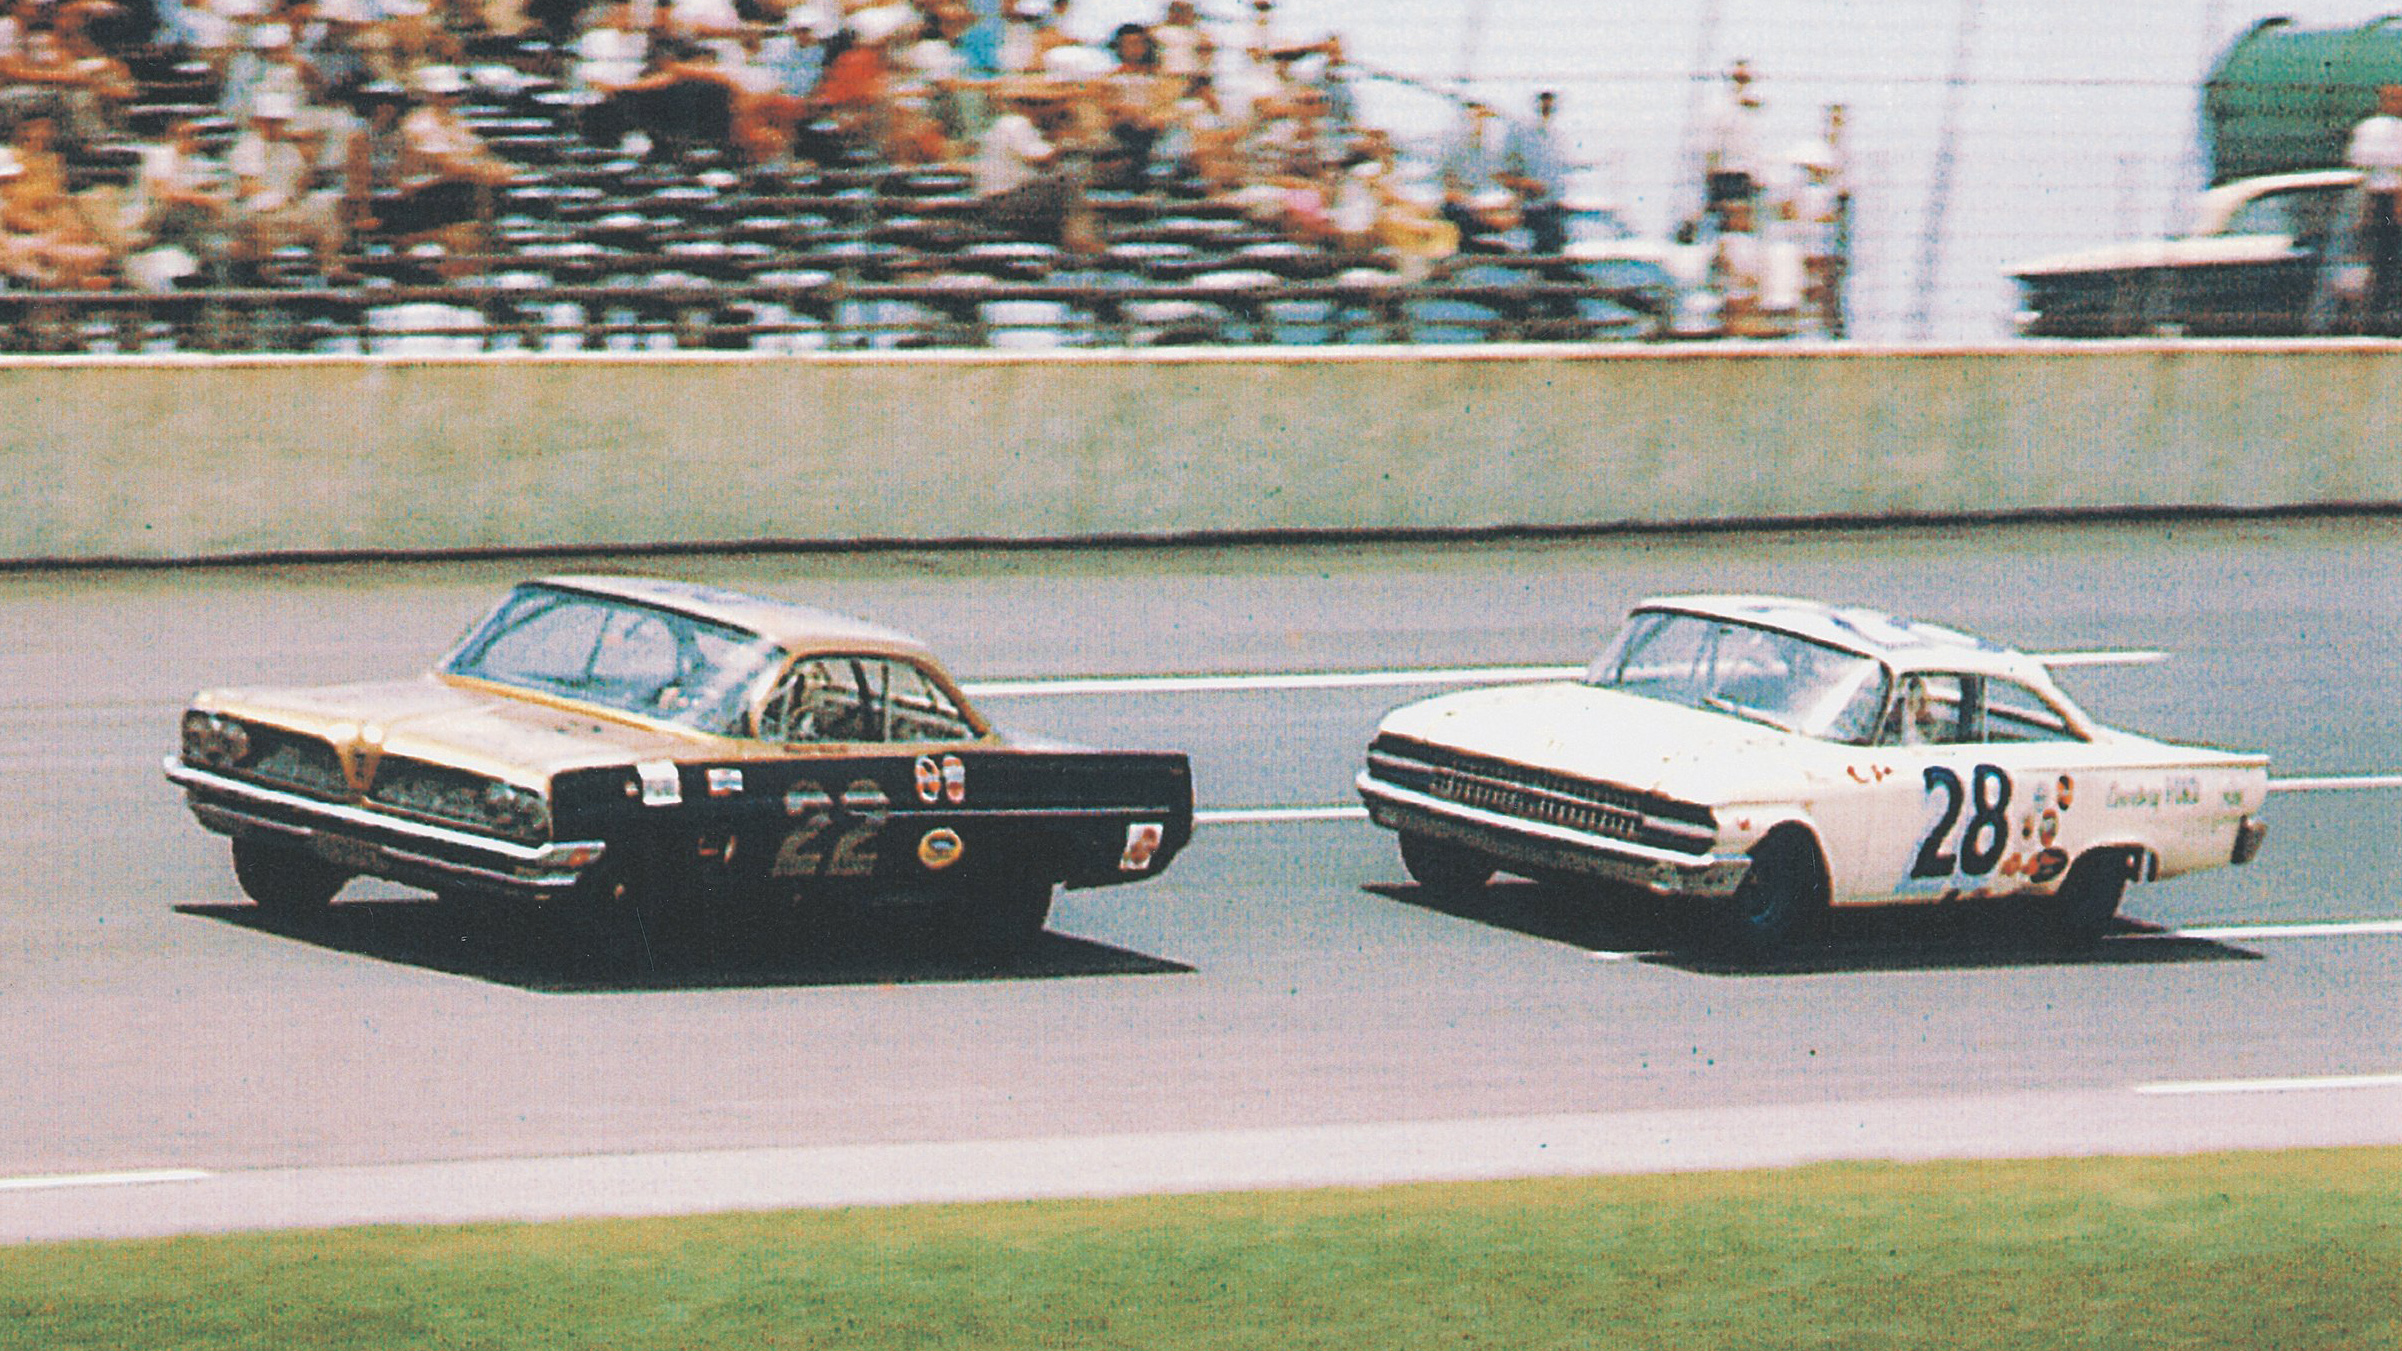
(379, 844)
(1542, 845)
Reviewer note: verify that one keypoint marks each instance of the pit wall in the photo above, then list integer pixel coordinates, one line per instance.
(186, 458)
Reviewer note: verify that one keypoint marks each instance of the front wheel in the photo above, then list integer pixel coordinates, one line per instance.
(284, 881)
(1779, 900)
(1439, 865)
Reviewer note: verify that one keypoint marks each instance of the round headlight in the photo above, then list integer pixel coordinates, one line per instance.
(516, 811)
(209, 739)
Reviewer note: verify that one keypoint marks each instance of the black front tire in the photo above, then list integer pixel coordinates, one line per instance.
(1782, 899)
(1440, 865)
(285, 881)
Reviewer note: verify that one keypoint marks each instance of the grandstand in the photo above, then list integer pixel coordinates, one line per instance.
(623, 225)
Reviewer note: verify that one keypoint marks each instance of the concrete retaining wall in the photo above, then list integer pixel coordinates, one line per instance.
(185, 458)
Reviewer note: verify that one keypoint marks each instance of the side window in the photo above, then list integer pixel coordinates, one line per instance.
(920, 711)
(1930, 710)
(2014, 712)
(840, 698)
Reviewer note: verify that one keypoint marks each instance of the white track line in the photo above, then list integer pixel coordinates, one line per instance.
(56, 1180)
(2338, 784)
(2132, 657)
(1290, 680)
(1352, 680)
(2252, 932)
(2340, 1081)
(1247, 816)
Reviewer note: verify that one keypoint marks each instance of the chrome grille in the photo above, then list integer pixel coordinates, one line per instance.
(1496, 785)
(435, 792)
(291, 760)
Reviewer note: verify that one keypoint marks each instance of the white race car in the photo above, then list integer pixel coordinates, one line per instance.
(1769, 757)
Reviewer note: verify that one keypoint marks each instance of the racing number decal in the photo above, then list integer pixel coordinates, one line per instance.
(1988, 834)
(853, 854)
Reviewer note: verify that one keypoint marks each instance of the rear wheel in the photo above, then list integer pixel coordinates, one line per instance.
(283, 880)
(1781, 899)
(2088, 899)
(998, 916)
(1439, 865)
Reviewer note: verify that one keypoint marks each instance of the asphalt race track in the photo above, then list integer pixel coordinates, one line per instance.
(1281, 1007)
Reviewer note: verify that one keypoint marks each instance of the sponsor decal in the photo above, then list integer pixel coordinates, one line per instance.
(940, 849)
(724, 782)
(2182, 791)
(804, 798)
(1868, 773)
(2050, 827)
(2131, 795)
(662, 786)
(1142, 845)
(2047, 865)
(954, 779)
(2065, 790)
(929, 779)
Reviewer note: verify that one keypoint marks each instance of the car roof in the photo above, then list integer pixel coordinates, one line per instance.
(800, 628)
(1904, 644)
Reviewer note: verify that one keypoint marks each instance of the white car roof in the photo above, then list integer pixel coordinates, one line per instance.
(1904, 644)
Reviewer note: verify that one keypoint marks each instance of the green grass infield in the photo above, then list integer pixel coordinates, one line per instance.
(2287, 1250)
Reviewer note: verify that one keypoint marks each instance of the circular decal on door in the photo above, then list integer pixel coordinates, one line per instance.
(940, 849)
(929, 779)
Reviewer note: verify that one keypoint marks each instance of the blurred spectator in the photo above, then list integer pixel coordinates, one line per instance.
(50, 69)
(1186, 49)
(51, 243)
(613, 53)
(1811, 217)
(1730, 148)
(1533, 167)
(276, 197)
(1140, 103)
(445, 176)
(1469, 169)
(1738, 271)
(2375, 149)
(181, 211)
(1029, 184)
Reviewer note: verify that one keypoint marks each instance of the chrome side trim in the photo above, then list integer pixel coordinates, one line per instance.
(523, 855)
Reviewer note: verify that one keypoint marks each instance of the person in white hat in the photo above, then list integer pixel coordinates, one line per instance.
(277, 198)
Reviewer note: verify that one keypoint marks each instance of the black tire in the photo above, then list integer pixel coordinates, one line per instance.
(612, 916)
(1440, 865)
(286, 881)
(999, 916)
(1782, 899)
(2088, 899)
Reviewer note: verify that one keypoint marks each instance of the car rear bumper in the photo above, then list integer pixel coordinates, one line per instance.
(1544, 846)
(378, 844)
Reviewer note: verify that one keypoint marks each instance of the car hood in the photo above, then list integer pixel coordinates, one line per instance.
(1604, 735)
(521, 739)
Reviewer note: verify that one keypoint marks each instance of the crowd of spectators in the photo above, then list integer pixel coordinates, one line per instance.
(155, 144)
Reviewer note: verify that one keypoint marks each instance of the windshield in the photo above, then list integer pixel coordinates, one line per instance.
(1758, 674)
(619, 654)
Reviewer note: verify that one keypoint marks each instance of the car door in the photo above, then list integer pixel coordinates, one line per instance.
(872, 771)
(1965, 788)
